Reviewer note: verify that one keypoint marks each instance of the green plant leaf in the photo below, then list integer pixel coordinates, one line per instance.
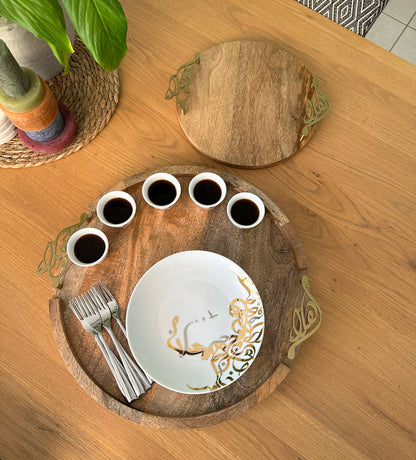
(62, 57)
(102, 26)
(45, 19)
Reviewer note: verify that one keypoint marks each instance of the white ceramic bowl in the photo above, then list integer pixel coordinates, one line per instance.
(195, 322)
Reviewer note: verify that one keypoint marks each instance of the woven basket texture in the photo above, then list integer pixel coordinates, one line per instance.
(92, 96)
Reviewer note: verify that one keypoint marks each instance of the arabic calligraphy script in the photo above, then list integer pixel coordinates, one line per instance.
(229, 355)
(179, 84)
(316, 109)
(54, 260)
(306, 319)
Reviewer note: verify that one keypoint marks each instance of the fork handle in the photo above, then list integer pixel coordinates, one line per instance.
(131, 394)
(134, 380)
(123, 330)
(117, 372)
(141, 373)
(145, 378)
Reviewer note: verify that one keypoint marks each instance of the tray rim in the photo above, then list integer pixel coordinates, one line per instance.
(56, 309)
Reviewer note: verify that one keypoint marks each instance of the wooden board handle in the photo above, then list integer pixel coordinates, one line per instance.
(180, 83)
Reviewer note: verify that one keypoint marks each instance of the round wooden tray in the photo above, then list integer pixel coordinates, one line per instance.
(270, 253)
(248, 104)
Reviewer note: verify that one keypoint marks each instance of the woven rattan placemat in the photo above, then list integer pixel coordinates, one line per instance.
(91, 94)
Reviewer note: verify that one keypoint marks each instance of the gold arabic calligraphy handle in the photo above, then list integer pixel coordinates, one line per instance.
(317, 108)
(306, 319)
(180, 83)
(54, 260)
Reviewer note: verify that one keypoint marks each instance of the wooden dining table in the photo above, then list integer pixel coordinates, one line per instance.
(350, 194)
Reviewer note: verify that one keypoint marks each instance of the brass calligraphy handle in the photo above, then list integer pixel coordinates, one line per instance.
(306, 319)
(55, 258)
(317, 108)
(179, 83)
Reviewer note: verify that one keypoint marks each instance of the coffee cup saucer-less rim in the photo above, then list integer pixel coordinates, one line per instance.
(207, 176)
(76, 236)
(246, 196)
(109, 196)
(157, 177)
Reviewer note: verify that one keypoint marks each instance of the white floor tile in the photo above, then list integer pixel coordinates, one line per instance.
(405, 46)
(402, 10)
(413, 23)
(385, 31)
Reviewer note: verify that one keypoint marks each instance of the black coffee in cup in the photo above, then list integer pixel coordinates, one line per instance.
(245, 212)
(89, 248)
(162, 192)
(207, 192)
(117, 210)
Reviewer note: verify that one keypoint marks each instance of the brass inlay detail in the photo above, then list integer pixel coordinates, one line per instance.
(317, 108)
(306, 319)
(234, 353)
(179, 84)
(54, 258)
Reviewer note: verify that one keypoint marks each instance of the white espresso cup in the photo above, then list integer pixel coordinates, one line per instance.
(207, 189)
(245, 210)
(161, 190)
(87, 247)
(116, 209)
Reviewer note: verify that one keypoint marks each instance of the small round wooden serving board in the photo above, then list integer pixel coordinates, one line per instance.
(270, 253)
(247, 104)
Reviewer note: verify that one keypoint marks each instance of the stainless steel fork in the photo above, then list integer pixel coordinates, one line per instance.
(92, 324)
(112, 304)
(136, 376)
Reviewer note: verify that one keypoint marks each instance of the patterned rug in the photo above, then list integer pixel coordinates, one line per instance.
(356, 15)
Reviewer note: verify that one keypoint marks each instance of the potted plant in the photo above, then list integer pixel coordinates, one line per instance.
(101, 25)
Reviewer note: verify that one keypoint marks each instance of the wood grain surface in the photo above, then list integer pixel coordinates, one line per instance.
(271, 255)
(247, 103)
(350, 195)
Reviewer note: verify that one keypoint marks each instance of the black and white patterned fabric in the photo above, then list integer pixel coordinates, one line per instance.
(356, 15)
